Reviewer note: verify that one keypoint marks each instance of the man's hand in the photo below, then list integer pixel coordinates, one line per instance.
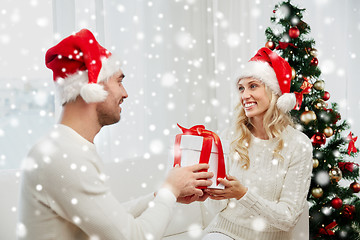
(233, 189)
(183, 181)
(193, 198)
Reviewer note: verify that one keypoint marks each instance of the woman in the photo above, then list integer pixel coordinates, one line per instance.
(270, 170)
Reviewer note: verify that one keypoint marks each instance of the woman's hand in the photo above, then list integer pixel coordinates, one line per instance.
(233, 189)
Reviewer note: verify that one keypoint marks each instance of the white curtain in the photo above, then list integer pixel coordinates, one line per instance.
(180, 58)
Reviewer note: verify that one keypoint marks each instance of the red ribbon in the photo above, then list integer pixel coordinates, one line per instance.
(326, 230)
(284, 45)
(347, 166)
(299, 98)
(306, 87)
(351, 147)
(208, 137)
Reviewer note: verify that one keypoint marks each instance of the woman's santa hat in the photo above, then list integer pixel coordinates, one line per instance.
(79, 64)
(274, 72)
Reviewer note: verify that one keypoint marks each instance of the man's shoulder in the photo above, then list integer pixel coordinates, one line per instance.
(50, 147)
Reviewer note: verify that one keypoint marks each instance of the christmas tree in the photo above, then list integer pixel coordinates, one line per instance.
(334, 208)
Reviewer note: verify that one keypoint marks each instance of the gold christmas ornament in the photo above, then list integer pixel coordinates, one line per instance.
(335, 174)
(317, 192)
(293, 73)
(314, 52)
(270, 45)
(328, 131)
(320, 104)
(315, 163)
(319, 85)
(307, 116)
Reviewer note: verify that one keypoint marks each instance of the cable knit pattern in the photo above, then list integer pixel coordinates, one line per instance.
(277, 190)
(65, 196)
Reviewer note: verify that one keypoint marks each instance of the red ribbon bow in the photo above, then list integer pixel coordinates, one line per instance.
(351, 147)
(284, 45)
(326, 230)
(347, 166)
(306, 88)
(208, 137)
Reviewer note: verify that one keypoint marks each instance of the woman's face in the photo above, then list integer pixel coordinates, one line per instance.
(254, 98)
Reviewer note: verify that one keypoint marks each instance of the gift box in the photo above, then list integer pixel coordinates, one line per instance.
(198, 145)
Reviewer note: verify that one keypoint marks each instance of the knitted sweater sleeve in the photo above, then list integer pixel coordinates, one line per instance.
(84, 199)
(137, 206)
(284, 213)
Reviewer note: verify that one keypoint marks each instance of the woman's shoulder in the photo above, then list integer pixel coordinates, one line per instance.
(295, 136)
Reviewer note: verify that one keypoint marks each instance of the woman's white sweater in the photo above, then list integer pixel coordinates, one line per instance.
(277, 190)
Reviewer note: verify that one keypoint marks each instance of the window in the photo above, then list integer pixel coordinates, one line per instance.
(26, 90)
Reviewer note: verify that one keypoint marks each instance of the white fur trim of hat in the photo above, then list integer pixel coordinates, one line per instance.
(76, 84)
(266, 74)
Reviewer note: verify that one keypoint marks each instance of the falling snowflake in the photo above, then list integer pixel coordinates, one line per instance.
(74, 201)
(322, 178)
(184, 40)
(156, 146)
(21, 230)
(282, 12)
(195, 230)
(327, 66)
(233, 40)
(149, 236)
(168, 80)
(76, 220)
(258, 224)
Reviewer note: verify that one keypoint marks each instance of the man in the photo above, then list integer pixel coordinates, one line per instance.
(64, 191)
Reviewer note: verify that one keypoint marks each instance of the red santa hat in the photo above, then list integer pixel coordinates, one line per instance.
(274, 72)
(79, 64)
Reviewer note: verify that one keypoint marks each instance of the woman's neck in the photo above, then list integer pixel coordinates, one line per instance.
(258, 129)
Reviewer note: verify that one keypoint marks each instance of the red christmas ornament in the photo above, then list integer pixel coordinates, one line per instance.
(294, 32)
(314, 62)
(318, 139)
(326, 96)
(349, 211)
(355, 187)
(336, 203)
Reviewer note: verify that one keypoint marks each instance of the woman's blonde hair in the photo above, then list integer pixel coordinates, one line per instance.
(275, 121)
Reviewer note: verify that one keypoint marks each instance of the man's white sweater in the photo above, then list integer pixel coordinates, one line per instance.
(277, 190)
(65, 196)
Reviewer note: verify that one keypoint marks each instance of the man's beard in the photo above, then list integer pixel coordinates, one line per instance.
(106, 116)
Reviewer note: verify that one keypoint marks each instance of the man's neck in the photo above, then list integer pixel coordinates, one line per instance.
(82, 118)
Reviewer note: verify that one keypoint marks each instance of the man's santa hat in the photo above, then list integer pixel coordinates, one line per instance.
(79, 64)
(274, 72)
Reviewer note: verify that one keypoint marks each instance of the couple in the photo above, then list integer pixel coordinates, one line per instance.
(64, 195)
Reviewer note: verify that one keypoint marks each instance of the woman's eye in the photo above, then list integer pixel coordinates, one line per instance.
(241, 89)
(253, 86)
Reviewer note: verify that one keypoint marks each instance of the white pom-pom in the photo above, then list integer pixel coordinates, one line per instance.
(286, 102)
(93, 92)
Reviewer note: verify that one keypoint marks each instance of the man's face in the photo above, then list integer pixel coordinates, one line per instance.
(108, 112)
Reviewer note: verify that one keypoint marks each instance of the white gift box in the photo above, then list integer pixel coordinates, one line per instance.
(191, 146)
